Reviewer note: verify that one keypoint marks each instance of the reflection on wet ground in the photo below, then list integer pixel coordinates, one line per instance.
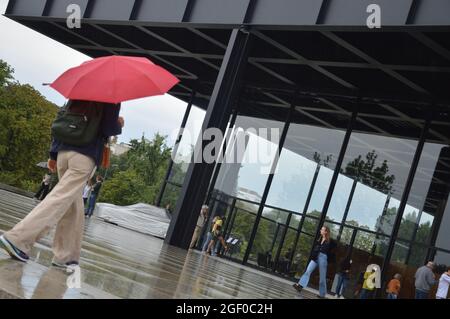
(121, 263)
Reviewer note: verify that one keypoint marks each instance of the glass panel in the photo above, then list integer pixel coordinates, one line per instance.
(366, 208)
(291, 182)
(424, 230)
(340, 198)
(310, 225)
(310, 151)
(346, 235)
(250, 154)
(241, 226)
(380, 164)
(186, 146)
(301, 256)
(409, 222)
(428, 194)
(268, 237)
(295, 221)
(287, 254)
(442, 235)
(364, 241)
(320, 191)
(170, 196)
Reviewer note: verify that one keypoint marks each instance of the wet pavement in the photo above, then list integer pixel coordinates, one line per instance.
(120, 263)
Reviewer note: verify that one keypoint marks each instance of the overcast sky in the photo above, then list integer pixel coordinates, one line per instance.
(38, 59)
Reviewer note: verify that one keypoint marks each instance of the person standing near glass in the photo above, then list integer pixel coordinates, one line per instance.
(322, 250)
(344, 275)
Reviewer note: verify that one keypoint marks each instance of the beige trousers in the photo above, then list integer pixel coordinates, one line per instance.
(195, 237)
(63, 207)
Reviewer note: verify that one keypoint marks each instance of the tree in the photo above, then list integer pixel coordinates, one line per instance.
(139, 173)
(25, 121)
(125, 188)
(6, 73)
(370, 175)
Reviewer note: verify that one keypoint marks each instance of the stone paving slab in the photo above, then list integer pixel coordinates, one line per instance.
(120, 263)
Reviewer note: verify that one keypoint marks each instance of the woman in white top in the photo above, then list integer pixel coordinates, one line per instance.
(86, 192)
(444, 282)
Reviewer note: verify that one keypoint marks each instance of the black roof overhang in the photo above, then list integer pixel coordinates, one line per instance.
(321, 48)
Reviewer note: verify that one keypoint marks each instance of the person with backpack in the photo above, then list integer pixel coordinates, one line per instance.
(79, 133)
(323, 248)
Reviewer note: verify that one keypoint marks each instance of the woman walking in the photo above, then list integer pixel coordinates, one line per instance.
(321, 251)
(63, 207)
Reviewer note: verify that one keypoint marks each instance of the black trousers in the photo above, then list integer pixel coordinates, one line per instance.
(42, 192)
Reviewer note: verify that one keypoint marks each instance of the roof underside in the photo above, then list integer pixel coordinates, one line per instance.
(321, 48)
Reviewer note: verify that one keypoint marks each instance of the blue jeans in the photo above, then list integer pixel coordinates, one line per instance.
(391, 296)
(366, 294)
(420, 294)
(207, 241)
(342, 284)
(91, 205)
(322, 262)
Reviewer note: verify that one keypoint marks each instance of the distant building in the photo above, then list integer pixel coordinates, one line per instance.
(119, 149)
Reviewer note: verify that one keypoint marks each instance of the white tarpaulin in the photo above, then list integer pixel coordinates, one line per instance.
(143, 218)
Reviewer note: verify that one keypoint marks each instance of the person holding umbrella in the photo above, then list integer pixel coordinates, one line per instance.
(95, 90)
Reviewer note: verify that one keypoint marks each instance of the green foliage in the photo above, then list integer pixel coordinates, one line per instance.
(25, 120)
(6, 73)
(125, 188)
(137, 175)
(370, 175)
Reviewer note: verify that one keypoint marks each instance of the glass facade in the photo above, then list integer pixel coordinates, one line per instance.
(359, 196)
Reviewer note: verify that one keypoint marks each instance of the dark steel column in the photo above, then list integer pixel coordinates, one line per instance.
(198, 176)
(347, 209)
(416, 229)
(404, 200)
(175, 149)
(269, 180)
(337, 170)
(280, 246)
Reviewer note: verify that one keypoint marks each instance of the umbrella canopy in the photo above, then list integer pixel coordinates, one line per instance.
(114, 79)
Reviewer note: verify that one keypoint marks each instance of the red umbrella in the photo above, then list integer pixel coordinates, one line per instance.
(114, 79)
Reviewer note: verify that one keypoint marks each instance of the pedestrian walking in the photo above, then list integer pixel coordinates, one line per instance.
(86, 192)
(201, 221)
(322, 250)
(75, 151)
(95, 191)
(424, 280)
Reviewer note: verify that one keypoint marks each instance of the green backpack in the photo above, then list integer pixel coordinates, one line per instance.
(78, 123)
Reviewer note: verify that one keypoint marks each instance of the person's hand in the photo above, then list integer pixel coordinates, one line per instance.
(121, 121)
(51, 165)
